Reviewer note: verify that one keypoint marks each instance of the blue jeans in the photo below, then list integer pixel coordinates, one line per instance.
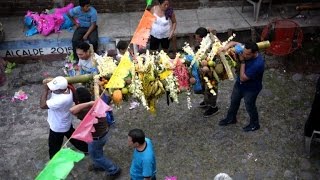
(99, 160)
(250, 97)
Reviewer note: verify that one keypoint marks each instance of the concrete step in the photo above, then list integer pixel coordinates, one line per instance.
(114, 26)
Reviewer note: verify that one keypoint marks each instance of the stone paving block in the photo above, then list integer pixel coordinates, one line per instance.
(264, 17)
(217, 13)
(185, 27)
(10, 33)
(66, 34)
(186, 15)
(223, 25)
(260, 23)
(113, 18)
(116, 30)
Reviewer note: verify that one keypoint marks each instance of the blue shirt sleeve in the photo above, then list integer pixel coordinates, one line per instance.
(93, 15)
(74, 11)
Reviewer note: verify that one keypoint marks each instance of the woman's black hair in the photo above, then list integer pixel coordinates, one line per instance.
(168, 13)
(84, 46)
(161, 1)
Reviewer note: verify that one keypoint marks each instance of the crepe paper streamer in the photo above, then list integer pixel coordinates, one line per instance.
(182, 74)
(20, 95)
(48, 23)
(171, 178)
(122, 71)
(100, 109)
(165, 74)
(149, 2)
(142, 33)
(197, 88)
(60, 165)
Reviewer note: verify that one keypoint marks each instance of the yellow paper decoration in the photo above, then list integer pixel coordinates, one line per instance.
(122, 71)
(165, 74)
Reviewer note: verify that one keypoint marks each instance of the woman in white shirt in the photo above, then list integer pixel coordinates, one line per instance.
(163, 27)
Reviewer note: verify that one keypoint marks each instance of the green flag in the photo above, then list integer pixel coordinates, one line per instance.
(60, 165)
(149, 2)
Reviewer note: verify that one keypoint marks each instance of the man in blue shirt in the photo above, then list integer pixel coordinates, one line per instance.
(143, 165)
(247, 86)
(87, 28)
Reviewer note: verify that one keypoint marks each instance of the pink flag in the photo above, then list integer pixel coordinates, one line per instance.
(100, 108)
(84, 130)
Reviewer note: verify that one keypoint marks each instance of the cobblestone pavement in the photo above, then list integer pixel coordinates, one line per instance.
(187, 145)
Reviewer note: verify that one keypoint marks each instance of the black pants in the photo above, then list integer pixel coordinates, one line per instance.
(210, 99)
(155, 43)
(56, 140)
(78, 37)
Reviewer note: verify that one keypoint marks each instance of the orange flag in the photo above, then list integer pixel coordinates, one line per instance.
(142, 33)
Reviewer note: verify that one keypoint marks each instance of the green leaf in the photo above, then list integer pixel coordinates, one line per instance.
(8, 71)
(149, 2)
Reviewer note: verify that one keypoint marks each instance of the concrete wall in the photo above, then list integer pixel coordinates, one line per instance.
(19, 7)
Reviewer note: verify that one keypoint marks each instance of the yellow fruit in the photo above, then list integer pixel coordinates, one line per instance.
(211, 63)
(151, 78)
(124, 90)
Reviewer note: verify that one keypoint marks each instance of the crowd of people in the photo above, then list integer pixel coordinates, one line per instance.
(63, 100)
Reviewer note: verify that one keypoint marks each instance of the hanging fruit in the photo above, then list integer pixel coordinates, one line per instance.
(219, 68)
(192, 80)
(117, 96)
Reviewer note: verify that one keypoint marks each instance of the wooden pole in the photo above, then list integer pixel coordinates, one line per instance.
(75, 79)
(308, 6)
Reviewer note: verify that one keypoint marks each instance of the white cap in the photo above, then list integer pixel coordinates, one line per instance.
(222, 176)
(58, 82)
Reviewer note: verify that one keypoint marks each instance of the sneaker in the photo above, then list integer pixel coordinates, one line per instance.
(226, 122)
(203, 105)
(210, 111)
(91, 167)
(251, 128)
(115, 175)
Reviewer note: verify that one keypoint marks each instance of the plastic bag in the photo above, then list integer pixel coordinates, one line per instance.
(109, 114)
